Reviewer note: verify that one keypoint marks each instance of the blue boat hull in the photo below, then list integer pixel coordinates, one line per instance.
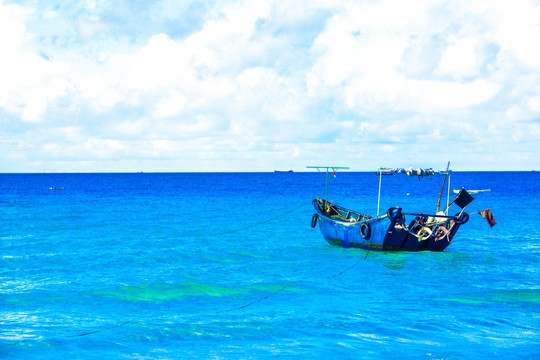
(350, 229)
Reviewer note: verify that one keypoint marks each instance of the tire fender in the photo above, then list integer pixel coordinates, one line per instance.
(395, 215)
(461, 219)
(365, 230)
(314, 220)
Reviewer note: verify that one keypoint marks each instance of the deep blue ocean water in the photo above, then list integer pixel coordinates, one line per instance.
(227, 266)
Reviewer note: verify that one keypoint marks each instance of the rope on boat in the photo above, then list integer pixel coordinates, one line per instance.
(257, 224)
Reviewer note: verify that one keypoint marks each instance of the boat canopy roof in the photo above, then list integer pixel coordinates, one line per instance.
(412, 172)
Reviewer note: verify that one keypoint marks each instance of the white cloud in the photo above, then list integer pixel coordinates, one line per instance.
(517, 30)
(277, 80)
(12, 28)
(170, 106)
(461, 60)
(451, 95)
(88, 27)
(160, 63)
(368, 68)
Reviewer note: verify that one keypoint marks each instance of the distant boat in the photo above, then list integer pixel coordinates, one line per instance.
(390, 231)
(283, 171)
(472, 192)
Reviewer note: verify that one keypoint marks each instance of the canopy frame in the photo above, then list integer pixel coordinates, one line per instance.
(415, 172)
(334, 168)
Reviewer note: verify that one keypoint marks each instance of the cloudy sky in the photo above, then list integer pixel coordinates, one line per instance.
(180, 85)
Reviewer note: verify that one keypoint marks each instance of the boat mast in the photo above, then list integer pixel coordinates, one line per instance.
(448, 196)
(442, 188)
(379, 199)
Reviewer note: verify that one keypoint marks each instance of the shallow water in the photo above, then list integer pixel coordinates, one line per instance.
(227, 266)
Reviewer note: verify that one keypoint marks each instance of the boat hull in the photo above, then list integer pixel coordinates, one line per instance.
(381, 233)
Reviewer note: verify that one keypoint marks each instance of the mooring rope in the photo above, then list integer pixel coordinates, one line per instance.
(115, 326)
(97, 331)
(288, 285)
(259, 299)
(257, 224)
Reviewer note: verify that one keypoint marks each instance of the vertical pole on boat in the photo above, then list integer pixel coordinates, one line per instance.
(334, 168)
(379, 199)
(442, 188)
(326, 198)
(448, 196)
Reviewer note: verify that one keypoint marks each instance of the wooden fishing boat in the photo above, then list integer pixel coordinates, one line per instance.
(390, 231)
(347, 228)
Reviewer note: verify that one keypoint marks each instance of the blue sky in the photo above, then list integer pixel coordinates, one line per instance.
(101, 85)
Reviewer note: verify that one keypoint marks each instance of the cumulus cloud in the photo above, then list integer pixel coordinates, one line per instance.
(241, 85)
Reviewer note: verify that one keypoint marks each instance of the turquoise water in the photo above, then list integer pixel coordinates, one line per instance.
(226, 266)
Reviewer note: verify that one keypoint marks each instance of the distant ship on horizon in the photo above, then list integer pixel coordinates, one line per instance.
(283, 171)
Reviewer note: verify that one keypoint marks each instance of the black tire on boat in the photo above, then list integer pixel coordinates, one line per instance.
(397, 217)
(365, 230)
(314, 220)
(462, 219)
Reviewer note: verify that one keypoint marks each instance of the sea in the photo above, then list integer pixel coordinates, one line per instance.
(227, 266)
